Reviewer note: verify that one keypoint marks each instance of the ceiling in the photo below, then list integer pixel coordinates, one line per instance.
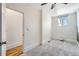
(25, 6)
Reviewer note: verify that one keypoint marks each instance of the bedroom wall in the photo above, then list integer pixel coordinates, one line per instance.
(68, 33)
(46, 23)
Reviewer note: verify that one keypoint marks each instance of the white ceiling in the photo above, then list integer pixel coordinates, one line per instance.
(25, 6)
(59, 5)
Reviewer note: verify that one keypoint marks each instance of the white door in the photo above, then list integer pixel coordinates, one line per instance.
(3, 30)
(0, 28)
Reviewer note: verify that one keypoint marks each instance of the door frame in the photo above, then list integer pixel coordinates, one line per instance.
(22, 25)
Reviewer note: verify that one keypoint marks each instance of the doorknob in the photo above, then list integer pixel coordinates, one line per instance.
(1, 43)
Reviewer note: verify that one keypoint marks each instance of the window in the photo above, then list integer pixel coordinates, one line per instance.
(63, 20)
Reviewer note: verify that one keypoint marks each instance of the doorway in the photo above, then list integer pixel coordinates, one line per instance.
(14, 32)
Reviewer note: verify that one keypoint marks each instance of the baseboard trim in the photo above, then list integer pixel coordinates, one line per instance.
(28, 48)
(14, 45)
(44, 42)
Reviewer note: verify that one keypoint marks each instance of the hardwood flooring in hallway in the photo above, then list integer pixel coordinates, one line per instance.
(15, 51)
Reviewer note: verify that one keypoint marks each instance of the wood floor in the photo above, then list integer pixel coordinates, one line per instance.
(15, 51)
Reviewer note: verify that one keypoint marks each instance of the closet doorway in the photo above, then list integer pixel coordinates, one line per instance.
(14, 32)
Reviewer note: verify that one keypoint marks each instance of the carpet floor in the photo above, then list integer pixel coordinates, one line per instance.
(55, 48)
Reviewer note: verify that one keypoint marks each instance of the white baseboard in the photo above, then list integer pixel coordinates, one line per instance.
(9, 46)
(28, 48)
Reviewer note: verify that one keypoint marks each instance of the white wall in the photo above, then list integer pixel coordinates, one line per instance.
(32, 29)
(14, 28)
(68, 33)
(46, 23)
(31, 23)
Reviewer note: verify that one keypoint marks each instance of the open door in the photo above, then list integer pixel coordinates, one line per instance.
(3, 30)
(3, 41)
(14, 32)
(0, 27)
